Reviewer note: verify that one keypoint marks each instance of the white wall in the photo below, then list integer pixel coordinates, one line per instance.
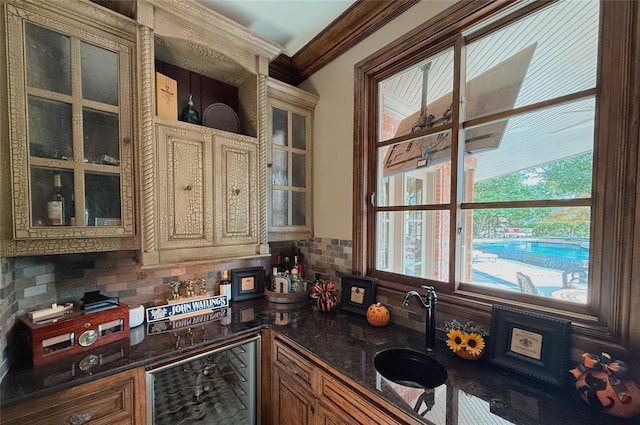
(333, 136)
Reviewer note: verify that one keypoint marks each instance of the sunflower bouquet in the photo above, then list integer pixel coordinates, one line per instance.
(466, 341)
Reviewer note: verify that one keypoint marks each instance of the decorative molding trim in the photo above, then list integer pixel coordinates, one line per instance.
(290, 94)
(147, 153)
(262, 162)
(362, 19)
(217, 27)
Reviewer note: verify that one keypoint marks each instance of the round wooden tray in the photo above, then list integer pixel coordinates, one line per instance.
(282, 298)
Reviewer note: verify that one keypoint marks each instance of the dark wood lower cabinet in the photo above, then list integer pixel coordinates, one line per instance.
(305, 391)
(292, 404)
(298, 389)
(329, 416)
(115, 400)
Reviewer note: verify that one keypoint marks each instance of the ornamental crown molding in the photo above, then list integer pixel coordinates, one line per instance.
(218, 26)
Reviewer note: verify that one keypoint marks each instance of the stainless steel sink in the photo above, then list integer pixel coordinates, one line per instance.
(410, 368)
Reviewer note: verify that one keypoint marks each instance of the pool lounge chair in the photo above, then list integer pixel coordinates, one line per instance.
(484, 256)
(526, 284)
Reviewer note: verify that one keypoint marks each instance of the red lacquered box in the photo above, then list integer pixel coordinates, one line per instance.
(73, 333)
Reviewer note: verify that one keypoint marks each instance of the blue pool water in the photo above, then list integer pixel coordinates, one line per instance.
(553, 249)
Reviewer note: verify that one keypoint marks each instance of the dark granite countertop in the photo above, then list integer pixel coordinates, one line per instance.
(475, 391)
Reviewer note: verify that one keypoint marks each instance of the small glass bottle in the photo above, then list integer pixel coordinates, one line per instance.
(189, 114)
(279, 265)
(299, 267)
(287, 266)
(317, 281)
(225, 285)
(55, 207)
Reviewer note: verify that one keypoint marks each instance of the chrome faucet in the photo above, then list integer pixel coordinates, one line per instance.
(428, 301)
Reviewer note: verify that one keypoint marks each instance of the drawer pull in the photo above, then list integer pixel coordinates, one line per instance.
(78, 419)
(292, 367)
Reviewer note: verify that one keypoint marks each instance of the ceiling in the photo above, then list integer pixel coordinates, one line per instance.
(292, 23)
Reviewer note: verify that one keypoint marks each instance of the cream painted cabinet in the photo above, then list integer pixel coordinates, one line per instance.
(68, 156)
(235, 158)
(289, 190)
(202, 190)
(185, 186)
(207, 193)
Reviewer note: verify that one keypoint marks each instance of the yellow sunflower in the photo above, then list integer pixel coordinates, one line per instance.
(455, 340)
(474, 344)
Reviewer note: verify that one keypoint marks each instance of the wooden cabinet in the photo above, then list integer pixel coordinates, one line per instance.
(115, 400)
(293, 399)
(291, 403)
(206, 200)
(290, 114)
(329, 416)
(67, 152)
(306, 391)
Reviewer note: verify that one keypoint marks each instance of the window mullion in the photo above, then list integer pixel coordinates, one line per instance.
(457, 161)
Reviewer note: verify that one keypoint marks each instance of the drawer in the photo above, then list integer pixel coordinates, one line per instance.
(293, 364)
(343, 398)
(106, 401)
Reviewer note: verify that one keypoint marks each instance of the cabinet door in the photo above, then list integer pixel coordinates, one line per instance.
(70, 107)
(235, 189)
(290, 119)
(184, 187)
(115, 400)
(292, 404)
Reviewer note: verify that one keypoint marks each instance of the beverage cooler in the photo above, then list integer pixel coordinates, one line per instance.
(215, 387)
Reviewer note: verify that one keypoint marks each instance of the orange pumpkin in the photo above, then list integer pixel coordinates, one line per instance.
(377, 315)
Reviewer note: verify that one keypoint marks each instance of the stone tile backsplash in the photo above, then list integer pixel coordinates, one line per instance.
(27, 283)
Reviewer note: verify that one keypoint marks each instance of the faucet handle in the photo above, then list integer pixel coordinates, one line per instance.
(432, 296)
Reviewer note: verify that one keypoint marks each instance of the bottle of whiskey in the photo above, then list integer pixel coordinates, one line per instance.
(55, 207)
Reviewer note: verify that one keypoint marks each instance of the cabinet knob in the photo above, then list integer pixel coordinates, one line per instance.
(78, 419)
(292, 368)
(188, 187)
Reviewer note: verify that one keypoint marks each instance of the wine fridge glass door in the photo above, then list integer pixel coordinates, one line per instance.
(216, 387)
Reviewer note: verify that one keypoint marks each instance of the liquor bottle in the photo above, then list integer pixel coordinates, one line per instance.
(225, 285)
(299, 267)
(317, 282)
(189, 114)
(287, 266)
(55, 207)
(277, 267)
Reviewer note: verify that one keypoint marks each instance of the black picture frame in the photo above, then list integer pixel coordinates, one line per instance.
(247, 283)
(533, 345)
(358, 293)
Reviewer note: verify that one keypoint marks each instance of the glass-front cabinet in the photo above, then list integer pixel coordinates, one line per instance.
(71, 125)
(290, 119)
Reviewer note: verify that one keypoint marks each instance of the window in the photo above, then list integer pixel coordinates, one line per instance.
(489, 145)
